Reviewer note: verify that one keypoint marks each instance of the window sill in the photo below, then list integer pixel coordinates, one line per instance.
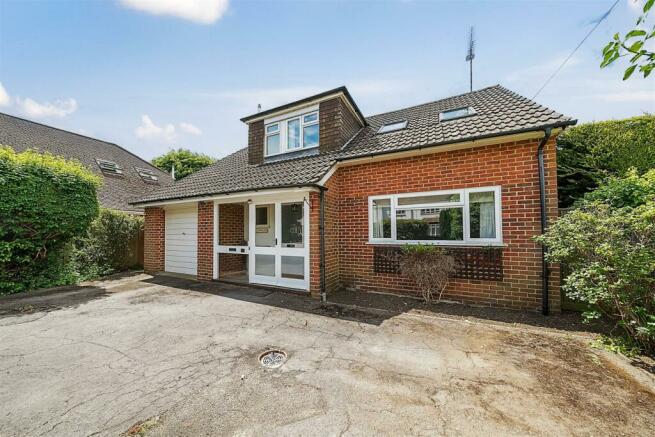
(441, 243)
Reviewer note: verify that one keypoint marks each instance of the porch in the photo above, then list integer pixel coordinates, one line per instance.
(263, 239)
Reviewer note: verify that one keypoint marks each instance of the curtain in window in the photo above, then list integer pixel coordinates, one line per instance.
(487, 222)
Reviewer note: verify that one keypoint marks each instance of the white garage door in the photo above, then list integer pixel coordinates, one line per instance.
(181, 250)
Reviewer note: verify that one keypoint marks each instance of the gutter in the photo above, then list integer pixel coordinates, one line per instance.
(545, 308)
(321, 230)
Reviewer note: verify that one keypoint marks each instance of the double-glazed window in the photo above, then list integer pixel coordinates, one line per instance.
(467, 216)
(299, 132)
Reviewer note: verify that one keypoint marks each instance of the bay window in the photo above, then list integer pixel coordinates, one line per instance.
(467, 216)
(298, 131)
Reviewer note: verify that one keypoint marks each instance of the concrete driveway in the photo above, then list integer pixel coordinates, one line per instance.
(183, 358)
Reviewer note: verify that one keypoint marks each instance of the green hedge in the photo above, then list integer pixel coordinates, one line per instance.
(608, 244)
(45, 202)
(108, 246)
(589, 153)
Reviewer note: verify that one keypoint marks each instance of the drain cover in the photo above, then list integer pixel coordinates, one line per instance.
(272, 359)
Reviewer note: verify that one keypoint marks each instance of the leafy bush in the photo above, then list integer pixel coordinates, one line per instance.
(108, 245)
(184, 161)
(589, 153)
(45, 202)
(429, 267)
(608, 244)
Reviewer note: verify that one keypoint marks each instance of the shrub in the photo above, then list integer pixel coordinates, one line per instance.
(108, 245)
(45, 202)
(608, 244)
(184, 161)
(589, 153)
(429, 267)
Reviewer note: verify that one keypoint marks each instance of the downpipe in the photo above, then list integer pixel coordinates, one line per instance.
(545, 307)
(321, 231)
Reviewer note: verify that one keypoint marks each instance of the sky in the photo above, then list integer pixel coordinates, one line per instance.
(155, 75)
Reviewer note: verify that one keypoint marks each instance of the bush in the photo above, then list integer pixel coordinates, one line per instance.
(45, 202)
(608, 244)
(184, 161)
(108, 245)
(589, 153)
(429, 267)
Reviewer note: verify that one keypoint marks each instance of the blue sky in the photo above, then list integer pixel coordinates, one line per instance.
(152, 76)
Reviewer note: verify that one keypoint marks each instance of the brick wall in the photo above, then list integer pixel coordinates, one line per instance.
(337, 124)
(331, 199)
(256, 142)
(205, 240)
(512, 165)
(230, 231)
(154, 240)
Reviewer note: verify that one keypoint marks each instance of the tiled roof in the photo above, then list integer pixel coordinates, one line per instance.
(498, 111)
(117, 191)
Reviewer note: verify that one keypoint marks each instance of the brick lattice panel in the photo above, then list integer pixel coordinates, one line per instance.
(472, 262)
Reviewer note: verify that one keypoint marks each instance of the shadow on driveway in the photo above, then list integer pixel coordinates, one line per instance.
(374, 308)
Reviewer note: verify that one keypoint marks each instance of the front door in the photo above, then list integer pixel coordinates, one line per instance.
(278, 243)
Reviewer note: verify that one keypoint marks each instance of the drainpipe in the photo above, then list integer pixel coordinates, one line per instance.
(321, 230)
(544, 221)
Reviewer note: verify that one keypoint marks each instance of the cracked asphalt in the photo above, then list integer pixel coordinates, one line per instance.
(98, 359)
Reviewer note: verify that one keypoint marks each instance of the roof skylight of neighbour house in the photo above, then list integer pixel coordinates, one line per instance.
(452, 114)
(109, 167)
(390, 127)
(147, 175)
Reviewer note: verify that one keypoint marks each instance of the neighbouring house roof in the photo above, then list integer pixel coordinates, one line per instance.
(498, 111)
(117, 191)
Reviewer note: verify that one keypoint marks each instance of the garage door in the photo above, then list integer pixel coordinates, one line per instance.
(182, 240)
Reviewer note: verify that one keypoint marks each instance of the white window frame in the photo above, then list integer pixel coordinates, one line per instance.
(463, 203)
(283, 131)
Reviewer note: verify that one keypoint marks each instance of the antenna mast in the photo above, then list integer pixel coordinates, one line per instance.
(470, 55)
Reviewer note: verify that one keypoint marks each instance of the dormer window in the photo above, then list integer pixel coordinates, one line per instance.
(456, 113)
(109, 167)
(391, 127)
(299, 131)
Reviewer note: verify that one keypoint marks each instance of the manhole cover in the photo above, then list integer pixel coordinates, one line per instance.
(272, 359)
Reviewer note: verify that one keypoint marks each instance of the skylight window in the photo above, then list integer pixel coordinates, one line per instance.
(109, 167)
(390, 127)
(456, 113)
(147, 175)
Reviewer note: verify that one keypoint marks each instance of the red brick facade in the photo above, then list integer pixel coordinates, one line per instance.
(511, 165)
(231, 232)
(205, 240)
(155, 222)
(349, 256)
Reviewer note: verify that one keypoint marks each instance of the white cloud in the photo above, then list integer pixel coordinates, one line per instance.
(190, 129)
(5, 100)
(628, 96)
(59, 108)
(148, 130)
(199, 11)
(636, 5)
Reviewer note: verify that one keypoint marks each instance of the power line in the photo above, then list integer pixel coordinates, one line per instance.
(552, 76)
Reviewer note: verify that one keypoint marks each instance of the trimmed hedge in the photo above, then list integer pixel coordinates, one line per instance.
(591, 152)
(108, 246)
(45, 202)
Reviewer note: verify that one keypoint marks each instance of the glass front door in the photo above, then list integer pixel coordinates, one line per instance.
(279, 255)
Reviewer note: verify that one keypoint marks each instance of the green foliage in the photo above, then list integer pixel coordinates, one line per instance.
(45, 202)
(634, 45)
(589, 153)
(108, 246)
(184, 161)
(617, 344)
(608, 244)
